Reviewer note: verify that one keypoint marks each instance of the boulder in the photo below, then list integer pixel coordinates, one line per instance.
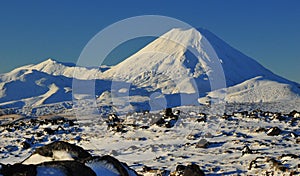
(246, 150)
(274, 131)
(203, 143)
(189, 170)
(63, 149)
(193, 170)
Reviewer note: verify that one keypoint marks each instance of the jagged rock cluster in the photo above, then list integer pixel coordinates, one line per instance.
(38, 131)
(167, 120)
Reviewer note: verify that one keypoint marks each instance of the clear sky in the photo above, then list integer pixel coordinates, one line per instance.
(266, 30)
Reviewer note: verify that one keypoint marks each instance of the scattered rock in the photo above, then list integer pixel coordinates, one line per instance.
(142, 139)
(113, 118)
(202, 117)
(114, 153)
(169, 119)
(208, 135)
(193, 136)
(278, 116)
(203, 143)
(189, 170)
(293, 135)
(155, 172)
(294, 114)
(274, 131)
(160, 122)
(114, 123)
(193, 170)
(37, 134)
(28, 143)
(240, 114)
(168, 112)
(277, 165)
(225, 116)
(289, 155)
(260, 129)
(246, 150)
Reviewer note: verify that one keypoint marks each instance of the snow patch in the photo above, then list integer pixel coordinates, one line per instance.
(103, 168)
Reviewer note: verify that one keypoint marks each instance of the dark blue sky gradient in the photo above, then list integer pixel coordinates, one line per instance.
(266, 30)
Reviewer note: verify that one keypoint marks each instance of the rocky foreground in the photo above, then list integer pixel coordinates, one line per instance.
(181, 142)
(62, 158)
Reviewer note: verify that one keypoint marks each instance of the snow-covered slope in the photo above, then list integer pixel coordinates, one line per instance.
(258, 89)
(35, 88)
(237, 66)
(167, 64)
(45, 83)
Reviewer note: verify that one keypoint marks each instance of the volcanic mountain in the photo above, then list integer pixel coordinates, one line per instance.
(196, 61)
(180, 62)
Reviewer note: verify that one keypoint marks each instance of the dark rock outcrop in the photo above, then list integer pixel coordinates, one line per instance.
(203, 143)
(169, 119)
(274, 131)
(246, 150)
(189, 170)
(77, 153)
(18, 170)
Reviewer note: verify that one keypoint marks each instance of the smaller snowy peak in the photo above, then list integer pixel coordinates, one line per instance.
(46, 65)
(70, 70)
(56, 68)
(258, 89)
(52, 62)
(49, 61)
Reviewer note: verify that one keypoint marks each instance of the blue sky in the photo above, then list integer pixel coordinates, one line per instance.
(266, 30)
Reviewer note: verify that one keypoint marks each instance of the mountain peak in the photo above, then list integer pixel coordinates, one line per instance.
(184, 36)
(49, 61)
(183, 58)
(47, 64)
